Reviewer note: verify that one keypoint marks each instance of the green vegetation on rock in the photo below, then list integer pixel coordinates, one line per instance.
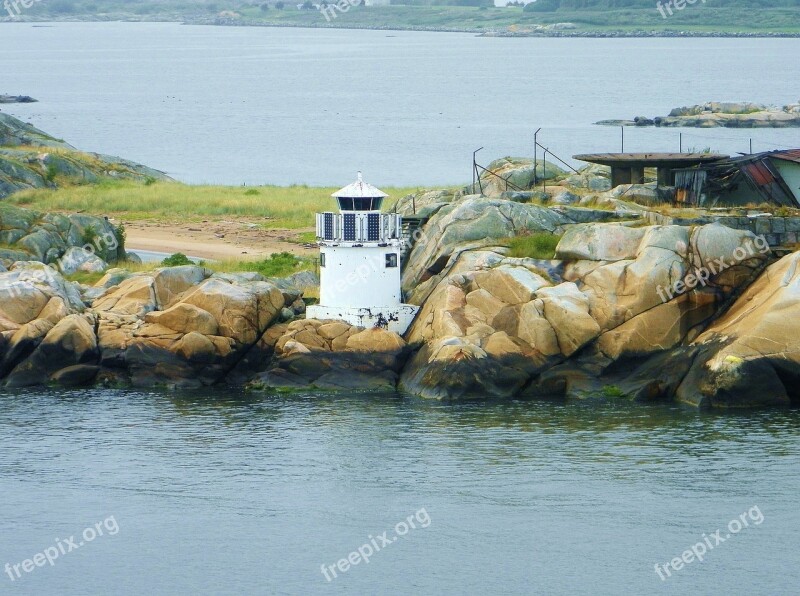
(539, 245)
(176, 260)
(612, 391)
(279, 264)
(31, 159)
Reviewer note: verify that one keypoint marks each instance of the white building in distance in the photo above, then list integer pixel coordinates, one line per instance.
(360, 262)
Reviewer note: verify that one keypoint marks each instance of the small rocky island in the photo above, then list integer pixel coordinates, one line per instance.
(721, 114)
(17, 99)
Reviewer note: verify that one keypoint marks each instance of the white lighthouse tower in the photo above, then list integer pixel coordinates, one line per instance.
(360, 262)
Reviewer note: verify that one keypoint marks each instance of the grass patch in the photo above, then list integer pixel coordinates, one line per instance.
(84, 277)
(540, 245)
(307, 238)
(277, 265)
(280, 264)
(285, 207)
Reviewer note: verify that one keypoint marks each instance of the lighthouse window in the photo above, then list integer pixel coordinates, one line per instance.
(322, 259)
(391, 259)
(360, 203)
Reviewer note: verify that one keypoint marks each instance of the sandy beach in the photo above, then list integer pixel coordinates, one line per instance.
(215, 239)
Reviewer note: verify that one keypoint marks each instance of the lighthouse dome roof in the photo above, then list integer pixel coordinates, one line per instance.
(359, 189)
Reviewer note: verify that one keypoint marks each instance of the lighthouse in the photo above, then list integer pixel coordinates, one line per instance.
(360, 262)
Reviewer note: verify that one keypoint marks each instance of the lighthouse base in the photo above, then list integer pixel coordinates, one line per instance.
(394, 318)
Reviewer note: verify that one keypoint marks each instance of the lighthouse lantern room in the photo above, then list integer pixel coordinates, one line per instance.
(360, 262)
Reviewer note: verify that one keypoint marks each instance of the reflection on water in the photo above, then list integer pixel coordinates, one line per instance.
(226, 492)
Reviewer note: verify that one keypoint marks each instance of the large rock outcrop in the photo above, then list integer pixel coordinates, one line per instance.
(515, 173)
(751, 355)
(14, 133)
(180, 325)
(72, 242)
(34, 299)
(30, 158)
(471, 224)
(174, 326)
(333, 355)
(502, 327)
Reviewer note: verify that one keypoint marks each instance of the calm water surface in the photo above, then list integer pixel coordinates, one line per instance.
(273, 105)
(223, 493)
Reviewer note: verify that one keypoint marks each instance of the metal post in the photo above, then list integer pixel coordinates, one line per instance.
(680, 142)
(535, 147)
(622, 136)
(751, 146)
(472, 190)
(475, 170)
(544, 171)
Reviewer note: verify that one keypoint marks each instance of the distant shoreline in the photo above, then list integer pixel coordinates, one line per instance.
(477, 32)
(509, 34)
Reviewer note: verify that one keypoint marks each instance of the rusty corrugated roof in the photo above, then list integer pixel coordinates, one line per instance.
(788, 155)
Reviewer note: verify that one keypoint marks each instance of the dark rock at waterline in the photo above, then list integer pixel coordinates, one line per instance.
(78, 375)
(17, 99)
(333, 355)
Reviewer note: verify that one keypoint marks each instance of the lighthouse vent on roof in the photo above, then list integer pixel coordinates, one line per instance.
(359, 189)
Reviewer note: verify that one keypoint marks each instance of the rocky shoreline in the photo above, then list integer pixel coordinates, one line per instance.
(540, 31)
(721, 114)
(613, 307)
(604, 318)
